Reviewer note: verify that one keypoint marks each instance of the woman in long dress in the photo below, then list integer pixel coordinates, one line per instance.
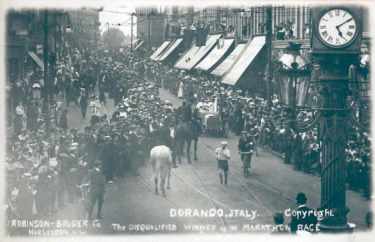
(180, 93)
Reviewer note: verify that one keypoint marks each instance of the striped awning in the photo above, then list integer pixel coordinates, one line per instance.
(37, 60)
(183, 62)
(196, 54)
(229, 61)
(138, 45)
(170, 49)
(160, 50)
(251, 51)
(217, 54)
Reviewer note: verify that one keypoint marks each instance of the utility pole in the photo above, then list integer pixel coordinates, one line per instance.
(269, 53)
(131, 31)
(149, 30)
(45, 71)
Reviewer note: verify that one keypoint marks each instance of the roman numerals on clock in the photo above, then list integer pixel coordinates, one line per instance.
(337, 27)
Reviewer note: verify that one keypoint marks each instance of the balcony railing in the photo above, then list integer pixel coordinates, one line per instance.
(282, 44)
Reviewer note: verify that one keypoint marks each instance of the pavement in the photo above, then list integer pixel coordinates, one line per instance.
(271, 187)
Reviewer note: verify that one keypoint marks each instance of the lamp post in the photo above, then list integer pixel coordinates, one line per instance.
(294, 86)
(46, 66)
(131, 30)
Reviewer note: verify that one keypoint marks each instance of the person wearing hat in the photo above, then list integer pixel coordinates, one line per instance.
(106, 155)
(97, 182)
(19, 120)
(32, 116)
(185, 111)
(102, 87)
(303, 217)
(246, 149)
(66, 163)
(63, 122)
(223, 157)
(84, 102)
(180, 90)
(280, 227)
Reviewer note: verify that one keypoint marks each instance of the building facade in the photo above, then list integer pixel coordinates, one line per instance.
(26, 31)
(288, 23)
(84, 25)
(150, 26)
(25, 40)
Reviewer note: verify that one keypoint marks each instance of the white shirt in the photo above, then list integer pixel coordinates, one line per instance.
(222, 154)
(172, 133)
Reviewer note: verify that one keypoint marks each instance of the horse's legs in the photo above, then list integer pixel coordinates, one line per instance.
(174, 156)
(188, 150)
(156, 185)
(162, 186)
(169, 178)
(178, 151)
(182, 147)
(195, 148)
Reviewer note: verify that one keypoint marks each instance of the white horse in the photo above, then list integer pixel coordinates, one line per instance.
(161, 162)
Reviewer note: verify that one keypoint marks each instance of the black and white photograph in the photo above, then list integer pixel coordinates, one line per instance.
(186, 119)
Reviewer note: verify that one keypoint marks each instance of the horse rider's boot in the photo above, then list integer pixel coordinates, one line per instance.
(221, 178)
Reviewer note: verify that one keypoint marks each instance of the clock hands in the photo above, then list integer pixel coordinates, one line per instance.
(346, 21)
(338, 27)
(341, 35)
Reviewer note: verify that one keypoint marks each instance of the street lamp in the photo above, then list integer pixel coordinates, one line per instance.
(36, 91)
(294, 87)
(295, 75)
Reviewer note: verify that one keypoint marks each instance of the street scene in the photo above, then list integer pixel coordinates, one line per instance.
(180, 119)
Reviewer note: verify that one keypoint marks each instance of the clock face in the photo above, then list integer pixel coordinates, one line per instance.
(337, 28)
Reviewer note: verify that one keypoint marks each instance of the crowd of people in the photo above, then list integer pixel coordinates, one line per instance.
(47, 159)
(268, 123)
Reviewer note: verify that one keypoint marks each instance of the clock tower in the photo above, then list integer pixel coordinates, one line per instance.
(335, 46)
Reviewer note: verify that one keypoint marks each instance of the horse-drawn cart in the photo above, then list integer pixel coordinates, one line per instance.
(211, 120)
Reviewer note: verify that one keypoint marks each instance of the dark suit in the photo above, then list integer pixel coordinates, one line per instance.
(97, 190)
(164, 136)
(106, 155)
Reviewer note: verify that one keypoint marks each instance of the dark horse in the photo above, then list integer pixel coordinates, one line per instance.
(185, 133)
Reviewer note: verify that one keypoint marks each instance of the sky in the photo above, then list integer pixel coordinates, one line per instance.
(115, 16)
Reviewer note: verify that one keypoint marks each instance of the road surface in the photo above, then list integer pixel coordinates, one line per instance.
(132, 207)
